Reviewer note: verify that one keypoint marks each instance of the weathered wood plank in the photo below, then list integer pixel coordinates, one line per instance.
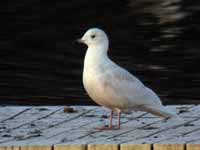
(81, 126)
(193, 147)
(151, 132)
(103, 147)
(10, 148)
(37, 147)
(135, 147)
(69, 147)
(54, 129)
(178, 133)
(50, 126)
(36, 113)
(168, 147)
(106, 146)
(10, 112)
(158, 131)
(106, 137)
(19, 122)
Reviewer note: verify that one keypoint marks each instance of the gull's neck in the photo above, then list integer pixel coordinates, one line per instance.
(96, 55)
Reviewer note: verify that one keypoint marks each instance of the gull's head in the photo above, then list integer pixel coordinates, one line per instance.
(95, 37)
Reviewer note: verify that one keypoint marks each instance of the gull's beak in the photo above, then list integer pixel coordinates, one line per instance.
(80, 41)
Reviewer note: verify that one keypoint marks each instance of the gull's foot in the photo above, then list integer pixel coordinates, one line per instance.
(107, 128)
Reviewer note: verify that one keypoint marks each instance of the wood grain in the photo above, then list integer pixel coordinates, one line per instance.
(9, 147)
(193, 146)
(106, 147)
(168, 147)
(69, 147)
(103, 147)
(135, 147)
(51, 126)
(36, 147)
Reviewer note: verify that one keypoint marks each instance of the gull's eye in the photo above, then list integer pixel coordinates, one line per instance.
(93, 36)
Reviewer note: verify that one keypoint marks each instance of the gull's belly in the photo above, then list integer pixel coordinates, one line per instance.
(95, 90)
(103, 94)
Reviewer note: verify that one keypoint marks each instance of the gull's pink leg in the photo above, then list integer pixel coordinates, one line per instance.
(111, 116)
(118, 119)
(109, 127)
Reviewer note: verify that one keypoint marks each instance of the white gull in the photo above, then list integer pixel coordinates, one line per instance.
(113, 87)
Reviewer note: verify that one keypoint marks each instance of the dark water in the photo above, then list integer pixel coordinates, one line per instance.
(156, 40)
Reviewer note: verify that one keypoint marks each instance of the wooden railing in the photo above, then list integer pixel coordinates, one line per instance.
(108, 147)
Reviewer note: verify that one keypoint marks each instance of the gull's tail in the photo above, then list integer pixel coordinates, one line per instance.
(164, 112)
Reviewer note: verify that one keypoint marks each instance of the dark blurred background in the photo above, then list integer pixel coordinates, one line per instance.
(156, 40)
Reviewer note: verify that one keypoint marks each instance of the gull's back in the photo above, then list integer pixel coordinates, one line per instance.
(127, 88)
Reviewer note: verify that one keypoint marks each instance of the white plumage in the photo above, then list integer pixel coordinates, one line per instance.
(112, 86)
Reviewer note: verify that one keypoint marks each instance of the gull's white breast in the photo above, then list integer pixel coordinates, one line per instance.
(94, 80)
